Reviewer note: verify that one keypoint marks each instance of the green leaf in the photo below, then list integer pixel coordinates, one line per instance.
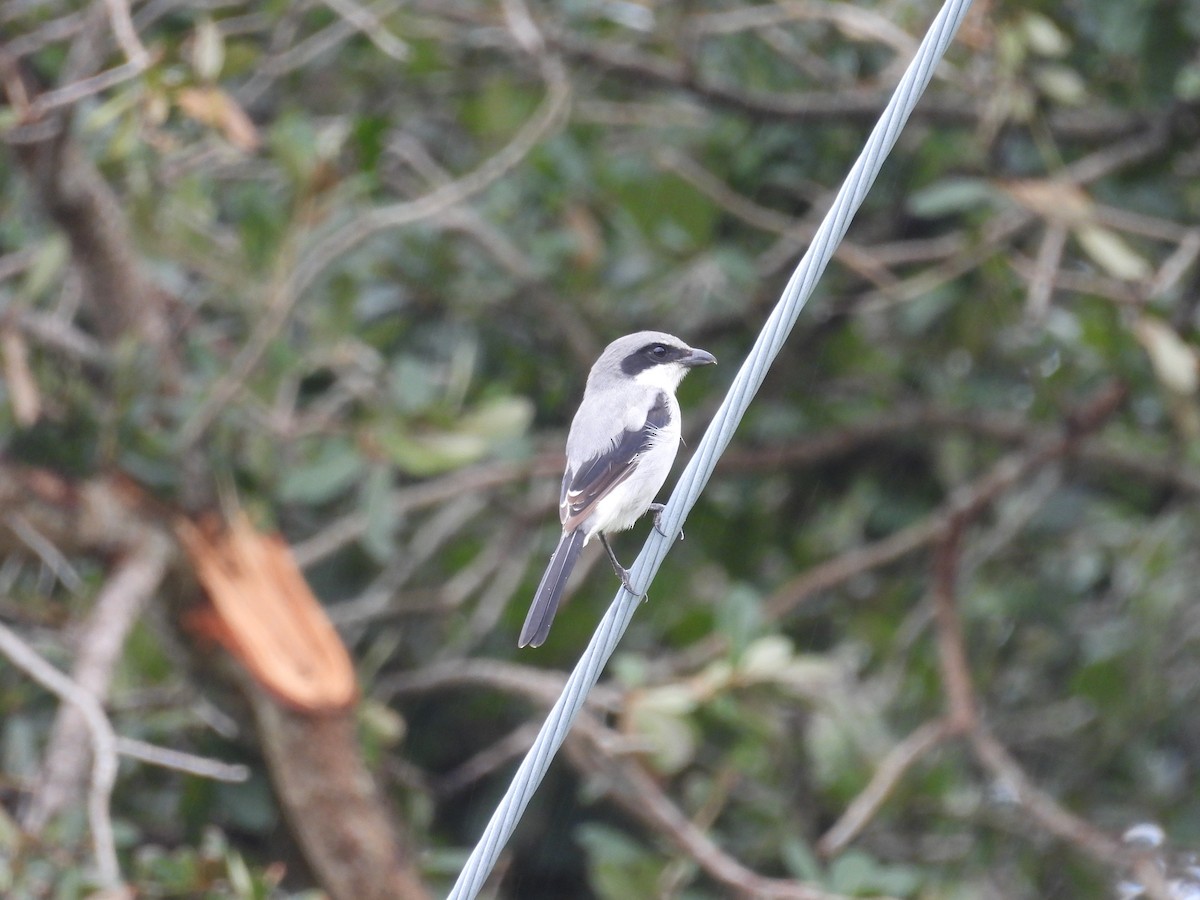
(499, 108)
(1043, 36)
(1062, 84)
(428, 452)
(659, 717)
(1113, 253)
(831, 748)
(950, 196)
(619, 867)
(739, 617)
(337, 466)
(48, 264)
(369, 136)
(424, 449)
(376, 497)
(293, 142)
(239, 876)
(1187, 83)
(856, 873)
(248, 805)
(766, 657)
(499, 419)
(208, 50)
(666, 209)
(800, 859)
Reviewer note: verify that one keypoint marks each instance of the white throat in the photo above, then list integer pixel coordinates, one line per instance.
(665, 377)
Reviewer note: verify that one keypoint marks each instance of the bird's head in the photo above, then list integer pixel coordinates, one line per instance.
(652, 358)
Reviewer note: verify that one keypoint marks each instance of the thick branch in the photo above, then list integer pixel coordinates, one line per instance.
(78, 200)
(332, 804)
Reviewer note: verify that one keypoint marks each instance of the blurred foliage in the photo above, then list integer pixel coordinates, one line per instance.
(448, 353)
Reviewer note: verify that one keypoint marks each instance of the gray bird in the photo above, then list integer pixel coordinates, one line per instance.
(619, 451)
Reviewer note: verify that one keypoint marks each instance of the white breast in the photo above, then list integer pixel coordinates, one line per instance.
(629, 501)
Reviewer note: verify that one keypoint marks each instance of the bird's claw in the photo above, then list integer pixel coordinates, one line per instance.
(657, 509)
(621, 571)
(627, 582)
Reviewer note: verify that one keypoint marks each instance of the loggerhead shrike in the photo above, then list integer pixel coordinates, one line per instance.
(619, 451)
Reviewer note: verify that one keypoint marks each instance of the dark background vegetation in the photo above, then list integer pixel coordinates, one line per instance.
(933, 630)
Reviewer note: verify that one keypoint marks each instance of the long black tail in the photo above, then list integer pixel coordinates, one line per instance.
(549, 592)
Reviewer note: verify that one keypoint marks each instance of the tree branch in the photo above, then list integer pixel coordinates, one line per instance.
(966, 501)
(103, 745)
(98, 649)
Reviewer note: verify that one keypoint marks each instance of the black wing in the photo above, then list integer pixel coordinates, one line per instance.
(583, 489)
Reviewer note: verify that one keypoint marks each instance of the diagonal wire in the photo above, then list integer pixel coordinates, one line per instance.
(695, 476)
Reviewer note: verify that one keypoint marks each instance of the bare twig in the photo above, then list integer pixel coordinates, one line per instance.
(523, 28)
(641, 796)
(853, 562)
(369, 24)
(952, 657)
(54, 332)
(1176, 265)
(288, 56)
(278, 309)
(1044, 275)
(890, 771)
(486, 476)
(674, 877)
(1112, 157)
(126, 34)
(487, 760)
(436, 531)
(1049, 280)
(506, 572)
(69, 95)
(1044, 809)
(996, 234)
(1041, 284)
(854, 21)
(541, 686)
(333, 245)
(17, 262)
(177, 760)
(102, 636)
(103, 746)
(592, 747)
(963, 718)
(965, 501)
(48, 32)
(49, 554)
(847, 104)
(851, 255)
(1094, 124)
(1153, 227)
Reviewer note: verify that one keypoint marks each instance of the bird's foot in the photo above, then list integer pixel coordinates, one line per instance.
(657, 509)
(622, 572)
(627, 582)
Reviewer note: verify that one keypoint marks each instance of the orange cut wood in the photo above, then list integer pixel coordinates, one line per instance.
(265, 615)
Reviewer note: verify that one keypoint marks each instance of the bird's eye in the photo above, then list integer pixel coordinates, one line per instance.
(658, 351)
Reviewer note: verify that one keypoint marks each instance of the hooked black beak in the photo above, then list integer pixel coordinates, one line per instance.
(699, 358)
